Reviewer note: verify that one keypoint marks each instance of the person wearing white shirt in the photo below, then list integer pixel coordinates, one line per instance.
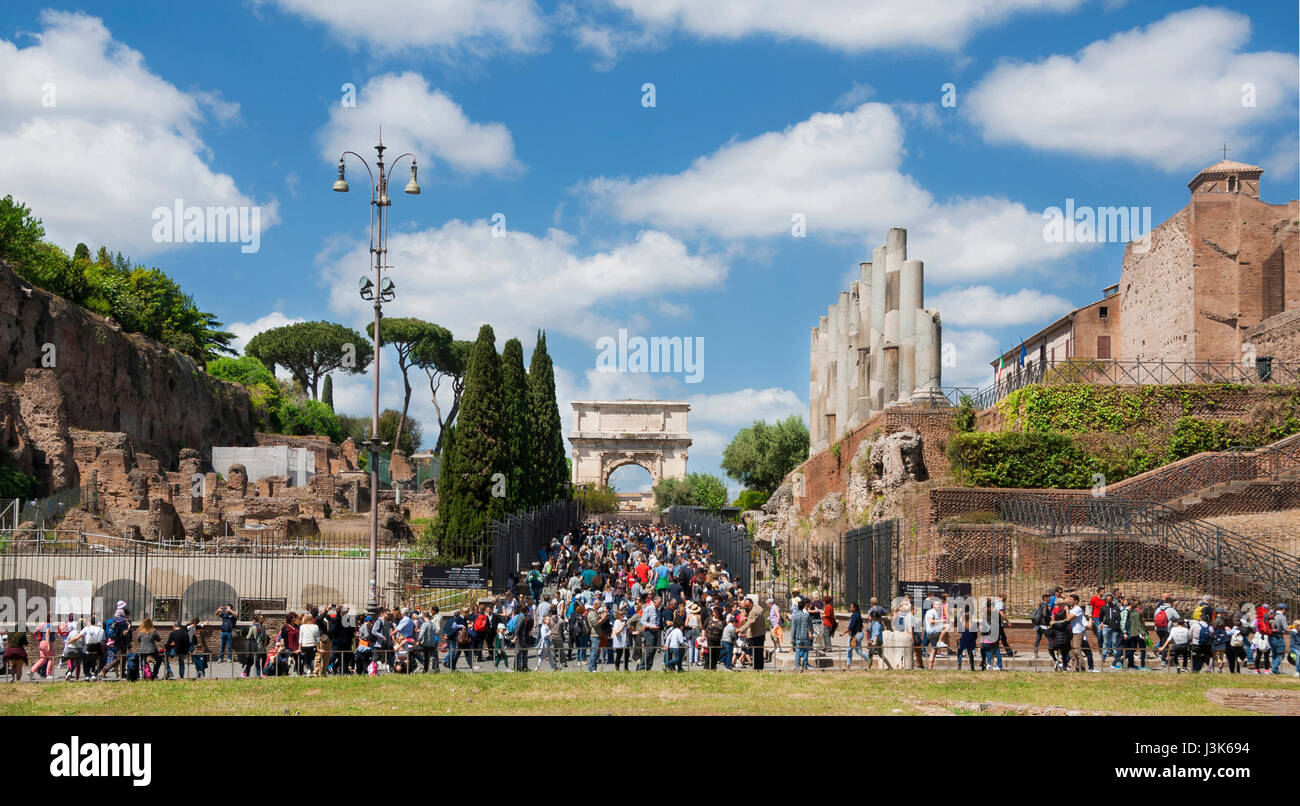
(544, 643)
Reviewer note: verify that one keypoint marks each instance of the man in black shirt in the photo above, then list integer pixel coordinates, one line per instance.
(178, 645)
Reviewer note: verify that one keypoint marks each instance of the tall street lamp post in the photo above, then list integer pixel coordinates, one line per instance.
(380, 290)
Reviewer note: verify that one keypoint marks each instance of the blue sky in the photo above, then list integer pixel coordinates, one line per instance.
(670, 220)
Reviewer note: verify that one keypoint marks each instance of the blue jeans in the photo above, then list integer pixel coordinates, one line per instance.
(226, 650)
(727, 649)
(1278, 645)
(801, 656)
(848, 661)
(584, 641)
(991, 651)
(594, 655)
(674, 660)
(1106, 641)
(180, 661)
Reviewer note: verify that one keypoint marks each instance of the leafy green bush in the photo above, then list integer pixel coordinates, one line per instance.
(1016, 459)
(308, 417)
(597, 499)
(14, 483)
(751, 499)
(964, 415)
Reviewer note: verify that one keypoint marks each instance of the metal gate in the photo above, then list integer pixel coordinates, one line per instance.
(869, 562)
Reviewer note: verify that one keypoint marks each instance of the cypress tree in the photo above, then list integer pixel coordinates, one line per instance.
(549, 468)
(514, 393)
(327, 393)
(480, 451)
(446, 486)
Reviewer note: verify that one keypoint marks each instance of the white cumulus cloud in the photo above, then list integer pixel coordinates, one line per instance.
(460, 276)
(1166, 94)
(982, 305)
(843, 174)
(845, 25)
(478, 27)
(93, 141)
(418, 119)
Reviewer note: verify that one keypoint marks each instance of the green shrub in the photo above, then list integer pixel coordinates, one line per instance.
(597, 499)
(751, 499)
(1016, 459)
(308, 417)
(14, 483)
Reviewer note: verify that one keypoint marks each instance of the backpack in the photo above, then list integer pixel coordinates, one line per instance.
(480, 623)
(1041, 616)
(1162, 617)
(462, 637)
(1236, 640)
(1204, 635)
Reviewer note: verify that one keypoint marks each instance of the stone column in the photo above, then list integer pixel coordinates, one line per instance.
(928, 357)
(876, 389)
(909, 302)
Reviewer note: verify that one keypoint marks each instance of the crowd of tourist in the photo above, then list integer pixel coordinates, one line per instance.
(623, 596)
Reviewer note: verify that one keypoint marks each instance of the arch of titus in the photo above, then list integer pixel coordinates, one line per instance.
(876, 348)
(608, 434)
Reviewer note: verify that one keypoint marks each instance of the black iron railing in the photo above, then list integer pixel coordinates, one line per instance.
(1232, 565)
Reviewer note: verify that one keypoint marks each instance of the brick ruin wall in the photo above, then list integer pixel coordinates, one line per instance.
(825, 473)
(1277, 337)
(1157, 293)
(108, 380)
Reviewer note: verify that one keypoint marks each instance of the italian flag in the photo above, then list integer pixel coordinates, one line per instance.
(1002, 363)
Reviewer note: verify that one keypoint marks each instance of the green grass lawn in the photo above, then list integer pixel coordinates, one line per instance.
(639, 693)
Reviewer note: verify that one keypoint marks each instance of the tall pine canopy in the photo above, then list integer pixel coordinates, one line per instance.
(514, 392)
(480, 448)
(550, 473)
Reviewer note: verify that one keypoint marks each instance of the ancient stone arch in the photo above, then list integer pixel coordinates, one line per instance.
(608, 434)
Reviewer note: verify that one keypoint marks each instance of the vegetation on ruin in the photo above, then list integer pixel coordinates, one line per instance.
(1060, 436)
(14, 483)
(141, 300)
(761, 455)
(829, 693)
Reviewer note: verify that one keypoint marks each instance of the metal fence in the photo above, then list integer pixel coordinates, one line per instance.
(869, 554)
(170, 583)
(49, 510)
(729, 543)
(524, 538)
(1107, 372)
(1150, 548)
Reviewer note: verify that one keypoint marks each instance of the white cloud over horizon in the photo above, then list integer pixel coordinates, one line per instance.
(523, 281)
(983, 305)
(93, 141)
(1166, 94)
(842, 173)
